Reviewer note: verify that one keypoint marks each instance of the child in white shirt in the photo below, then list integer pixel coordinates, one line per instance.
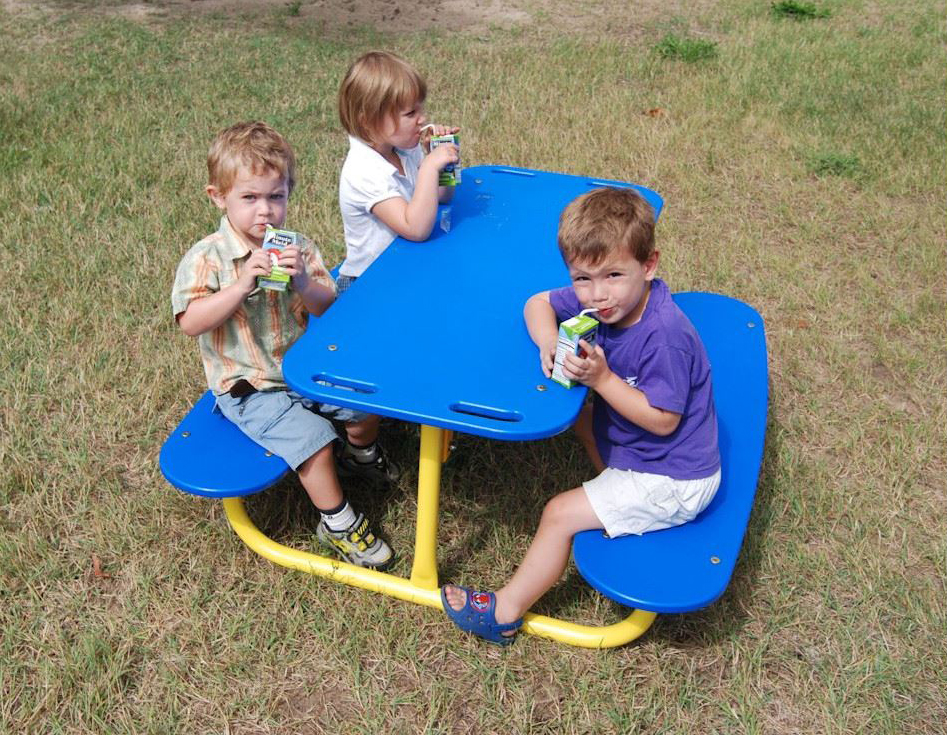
(389, 181)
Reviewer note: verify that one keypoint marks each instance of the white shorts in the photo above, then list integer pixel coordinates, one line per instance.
(627, 501)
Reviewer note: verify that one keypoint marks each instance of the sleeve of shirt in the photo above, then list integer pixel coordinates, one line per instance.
(664, 378)
(564, 302)
(315, 266)
(198, 275)
(365, 189)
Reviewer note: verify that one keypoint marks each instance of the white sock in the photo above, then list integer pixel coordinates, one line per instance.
(362, 455)
(340, 520)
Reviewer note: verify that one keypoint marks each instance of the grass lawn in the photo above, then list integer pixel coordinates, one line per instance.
(801, 153)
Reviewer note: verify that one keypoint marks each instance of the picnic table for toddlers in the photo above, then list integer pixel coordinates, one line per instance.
(433, 334)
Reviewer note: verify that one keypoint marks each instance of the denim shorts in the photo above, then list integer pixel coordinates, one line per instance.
(627, 501)
(285, 423)
(344, 283)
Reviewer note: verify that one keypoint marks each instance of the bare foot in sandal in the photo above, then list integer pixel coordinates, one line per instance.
(480, 613)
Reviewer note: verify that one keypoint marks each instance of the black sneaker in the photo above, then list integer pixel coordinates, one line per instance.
(380, 469)
(357, 544)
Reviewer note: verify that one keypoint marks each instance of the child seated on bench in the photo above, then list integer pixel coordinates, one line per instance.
(651, 430)
(243, 331)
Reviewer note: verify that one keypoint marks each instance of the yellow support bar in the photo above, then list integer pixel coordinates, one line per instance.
(445, 449)
(590, 636)
(422, 588)
(339, 571)
(424, 569)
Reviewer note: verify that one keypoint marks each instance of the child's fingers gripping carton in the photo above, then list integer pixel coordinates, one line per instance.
(450, 176)
(275, 241)
(571, 331)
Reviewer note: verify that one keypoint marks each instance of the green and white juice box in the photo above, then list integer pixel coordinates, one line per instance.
(571, 331)
(274, 241)
(450, 175)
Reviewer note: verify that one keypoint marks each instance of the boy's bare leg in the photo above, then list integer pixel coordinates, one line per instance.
(563, 517)
(583, 429)
(363, 433)
(317, 475)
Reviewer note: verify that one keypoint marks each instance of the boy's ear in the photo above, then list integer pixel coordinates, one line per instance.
(216, 196)
(651, 265)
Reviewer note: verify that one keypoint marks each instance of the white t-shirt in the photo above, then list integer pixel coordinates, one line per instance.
(367, 178)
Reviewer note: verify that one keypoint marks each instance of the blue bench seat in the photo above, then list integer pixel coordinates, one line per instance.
(688, 567)
(207, 455)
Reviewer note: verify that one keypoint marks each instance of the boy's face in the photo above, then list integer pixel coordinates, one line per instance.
(617, 287)
(254, 200)
(402, 129)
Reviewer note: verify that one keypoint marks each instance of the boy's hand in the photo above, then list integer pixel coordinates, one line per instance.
(590, 368)
(291, 261)
(547, 358)
(258, 264)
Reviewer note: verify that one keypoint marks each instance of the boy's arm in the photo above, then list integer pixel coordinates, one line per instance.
(316, 295)
(209, 312)
(630, 402)
(543, 328)
(414, 220)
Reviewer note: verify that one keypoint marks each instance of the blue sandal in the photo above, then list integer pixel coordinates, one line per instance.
(477, 616)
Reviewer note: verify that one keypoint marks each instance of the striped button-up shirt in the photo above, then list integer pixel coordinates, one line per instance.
(251, 343)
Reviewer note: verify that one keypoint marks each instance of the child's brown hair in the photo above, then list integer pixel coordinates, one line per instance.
(604, 220)
(254, 146)
(379, 84)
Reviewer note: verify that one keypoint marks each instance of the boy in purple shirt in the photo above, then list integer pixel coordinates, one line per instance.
(651, 429)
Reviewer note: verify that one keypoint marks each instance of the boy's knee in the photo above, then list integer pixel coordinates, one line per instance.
(557, 510)
(323, 456)
(364, 431)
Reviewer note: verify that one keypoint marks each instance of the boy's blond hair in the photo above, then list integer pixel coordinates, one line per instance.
(254, 146)
(379, 84)
(604, 220)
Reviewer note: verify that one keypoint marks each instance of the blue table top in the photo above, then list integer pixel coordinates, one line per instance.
(433, 332)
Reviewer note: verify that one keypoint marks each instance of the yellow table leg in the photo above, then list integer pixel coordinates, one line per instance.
(445, 447)
(422, 587)
(339, 571)
(424, 569)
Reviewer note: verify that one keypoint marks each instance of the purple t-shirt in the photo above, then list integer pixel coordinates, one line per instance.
(663, 357)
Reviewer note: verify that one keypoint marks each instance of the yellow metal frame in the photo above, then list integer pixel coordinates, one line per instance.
(422, 587)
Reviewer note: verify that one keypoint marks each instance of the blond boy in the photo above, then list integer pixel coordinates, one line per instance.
(243, 333)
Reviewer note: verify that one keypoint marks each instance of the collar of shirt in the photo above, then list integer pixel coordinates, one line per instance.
(234, 247)
(363, 151)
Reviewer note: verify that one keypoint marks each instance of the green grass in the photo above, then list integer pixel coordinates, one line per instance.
(834, 164)
(799, 11)
(686, 49)
(804, 172)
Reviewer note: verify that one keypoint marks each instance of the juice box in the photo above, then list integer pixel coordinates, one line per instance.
(273, 242)
(450, 176)
(570, 332)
